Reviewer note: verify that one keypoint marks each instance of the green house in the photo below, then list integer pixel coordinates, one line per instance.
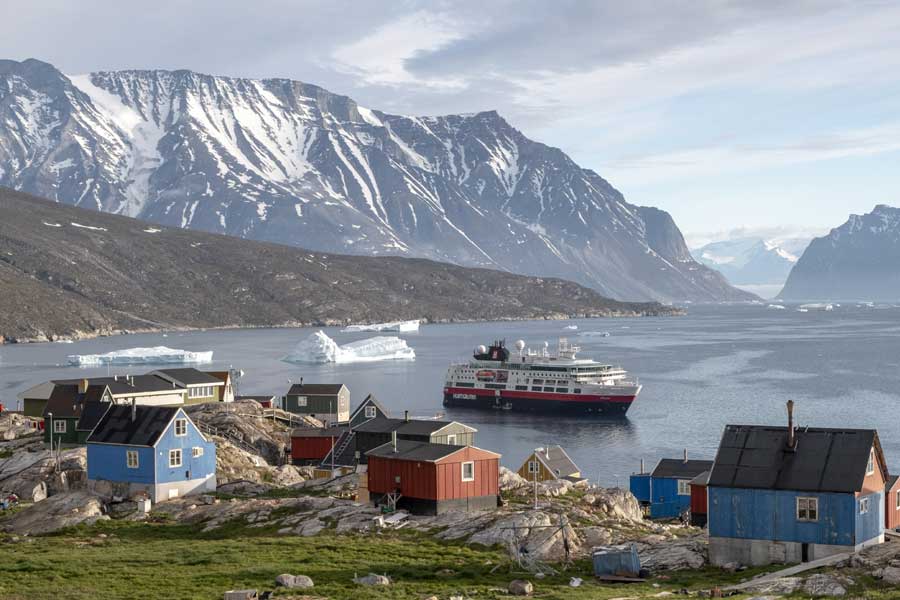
(327, 402)
(72, 412)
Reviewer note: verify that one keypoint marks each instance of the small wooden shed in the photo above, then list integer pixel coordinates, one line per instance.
(892, 502)
(699, 508)
(434, 478)
(310, 445)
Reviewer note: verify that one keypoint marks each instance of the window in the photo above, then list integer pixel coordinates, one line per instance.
(131, 459)
(870, 466)
(301, 401)
(532, 466)
(451, 439)
(196, 451)
(898, 501)
(468, 471)
(175, 458)
(807, 509)
(684, 487)
(522, 388)
(200, 391)
(863, 506)
(180, 427)
(59, 426)
(371, 412)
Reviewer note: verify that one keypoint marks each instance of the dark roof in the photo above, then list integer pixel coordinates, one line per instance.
(890, 481)
(318, 431)
(680, 469)
(409, 450)
(379, 425)
(315, 389)
(94, 393)
(824, 460)
(117, 426)
(64, 402)
(134, 384)
(189, 376)
(91, 413)
(369, 400)
(401, 426)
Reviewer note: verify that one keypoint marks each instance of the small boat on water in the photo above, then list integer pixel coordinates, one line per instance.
(537, 381)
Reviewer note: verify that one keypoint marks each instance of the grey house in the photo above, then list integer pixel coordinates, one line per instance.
(379, 431)
(327, 402)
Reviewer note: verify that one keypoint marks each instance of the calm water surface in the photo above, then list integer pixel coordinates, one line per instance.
(715, 366)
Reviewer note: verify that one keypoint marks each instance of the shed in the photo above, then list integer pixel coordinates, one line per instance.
(616, 561)
(310, 445)
(666, 492)
(550, 463)
(698, 499)
(786, 495)
(434, 478)
(892, 502)
(327, 402)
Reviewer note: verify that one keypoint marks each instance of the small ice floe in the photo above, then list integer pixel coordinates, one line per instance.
(91, 227)
(398, 326)
(52, 224)
(152, 230)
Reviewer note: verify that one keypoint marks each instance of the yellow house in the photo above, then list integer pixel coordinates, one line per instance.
(547, 464)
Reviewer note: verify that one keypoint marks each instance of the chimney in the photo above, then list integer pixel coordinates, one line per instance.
(115, 377)
(792, 439)
(685, 455)
(406, 416)
(133, 410)
(83, 386)
(301, 382)
(394, 440)
(642, 466)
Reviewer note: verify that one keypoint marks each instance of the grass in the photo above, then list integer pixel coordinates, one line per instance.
(161, 559)
(6, 452)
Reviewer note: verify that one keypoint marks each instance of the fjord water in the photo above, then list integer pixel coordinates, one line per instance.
(717, 365)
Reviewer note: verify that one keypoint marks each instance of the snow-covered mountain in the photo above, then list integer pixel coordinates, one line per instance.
(858, 261)
(292, 163)
(753, 263)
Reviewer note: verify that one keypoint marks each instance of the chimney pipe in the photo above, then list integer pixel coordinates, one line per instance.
(394, 440)
(685, 455)
(642, 466)
(406, 416)
(83, 386)
(133, 410)
(301, 382)
(792, 440)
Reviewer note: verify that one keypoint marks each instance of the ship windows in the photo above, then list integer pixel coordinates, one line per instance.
(537, 381)
(522, 388)
(465, 384)
(563, 390)
(535, 389)
(577, 390)
(495, 386)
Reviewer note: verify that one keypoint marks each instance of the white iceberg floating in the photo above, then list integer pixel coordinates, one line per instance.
(593, 334)
(777, 307)
(572, 327)
(138, 356)
(318, 348)
(398, 326)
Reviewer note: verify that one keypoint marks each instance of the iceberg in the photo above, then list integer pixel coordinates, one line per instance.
(593, 334)
(139, 356)
(318, 348)
(572, 327)
(398, 326)
(777, 307)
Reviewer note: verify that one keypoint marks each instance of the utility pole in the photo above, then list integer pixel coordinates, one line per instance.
(536, 465)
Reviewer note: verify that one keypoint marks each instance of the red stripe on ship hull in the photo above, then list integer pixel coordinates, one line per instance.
(538, 395)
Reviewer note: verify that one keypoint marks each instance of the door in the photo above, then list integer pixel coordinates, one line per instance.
(804, 553)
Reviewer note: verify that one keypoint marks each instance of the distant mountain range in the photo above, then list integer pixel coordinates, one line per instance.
(289, 162)
(756, 264)
(858, 261)
(70, 272)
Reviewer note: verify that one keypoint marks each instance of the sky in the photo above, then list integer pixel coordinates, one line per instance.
(737, 117)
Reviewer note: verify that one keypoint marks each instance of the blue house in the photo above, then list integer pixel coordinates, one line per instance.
(780, 495)
(666, 492)
(154, 449)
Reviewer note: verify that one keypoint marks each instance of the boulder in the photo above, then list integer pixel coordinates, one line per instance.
(615, 503)
(673, 555)
(286, 475)
(372, 579)
(530, 532)
(891, 575)
(520, 587)
(56, 512)
(782, 585)
(823, 584)
(510, 480)
(293, 581)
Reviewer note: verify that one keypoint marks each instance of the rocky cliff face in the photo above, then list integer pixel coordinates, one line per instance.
(858, 261)
(288, 162)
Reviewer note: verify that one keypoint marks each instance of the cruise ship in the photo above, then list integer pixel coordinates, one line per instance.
(538, 381)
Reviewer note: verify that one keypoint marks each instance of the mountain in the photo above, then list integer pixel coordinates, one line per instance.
(755, 264)
(858, 261)
(72, 272)
(289, 162)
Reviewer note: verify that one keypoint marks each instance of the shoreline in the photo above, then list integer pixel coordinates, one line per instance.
(79, 336)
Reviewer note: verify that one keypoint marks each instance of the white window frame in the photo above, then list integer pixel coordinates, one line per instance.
(897, 494)
(870, 466)
(173, 455)
(197, 451)
(59, 426)
(371, 412)
(471, 465)
(302, 401)
(864, 505)
(533, 466)
(180, 424)
(684, 487)
(451, 439)
(805, 506)
(132, 460)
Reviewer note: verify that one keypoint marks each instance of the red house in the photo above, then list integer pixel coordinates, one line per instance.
(699, 510)
(309, 445)
(892, 502)
(433, 479)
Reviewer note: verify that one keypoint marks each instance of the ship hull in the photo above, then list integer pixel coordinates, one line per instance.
(613, 404)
